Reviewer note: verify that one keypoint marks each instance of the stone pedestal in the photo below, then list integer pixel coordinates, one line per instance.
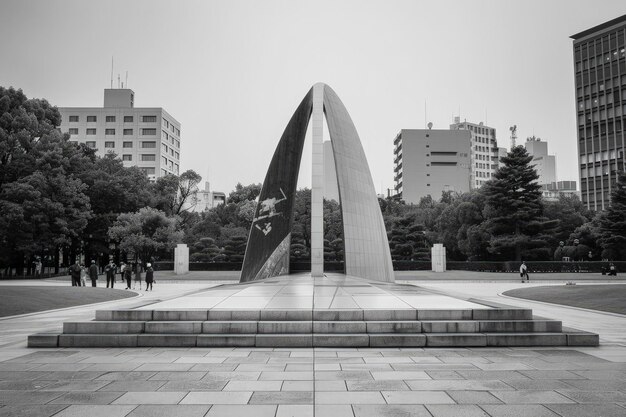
(438, 257)
(181, 259)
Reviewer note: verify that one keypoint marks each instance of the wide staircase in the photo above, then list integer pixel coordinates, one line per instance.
(488, 327)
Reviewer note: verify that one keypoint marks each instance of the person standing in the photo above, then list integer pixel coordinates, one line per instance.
(149, 276)
(84, 273)
(523, 272)
(128, 275)
(93, 273)
(75, 274)
(121, 271)
(38, 266)
(137, 275)
(109, 270)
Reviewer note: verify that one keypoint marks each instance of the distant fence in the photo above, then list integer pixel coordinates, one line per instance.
(486, 266)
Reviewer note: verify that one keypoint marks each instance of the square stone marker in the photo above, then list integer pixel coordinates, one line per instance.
(473, 397)
(242, 411)
(87, 397)
(96, 411)
(391, 411)
(282, 397)
(363, 397)
(170, 411)
(445, 410)
(497, 410)
(531, 397)
(233, 397)
(160, 397)
(586, 410)
(31, 410)
(417, 397)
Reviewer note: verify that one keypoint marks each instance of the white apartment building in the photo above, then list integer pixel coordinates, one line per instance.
(146, 137)
(544, 164)
(484, 152)
(207, 199)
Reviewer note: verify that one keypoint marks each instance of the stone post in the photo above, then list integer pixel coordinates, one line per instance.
(317, 183)
(181, 259)
(438, 257)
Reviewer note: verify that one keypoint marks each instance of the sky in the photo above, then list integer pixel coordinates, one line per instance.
(232, 72)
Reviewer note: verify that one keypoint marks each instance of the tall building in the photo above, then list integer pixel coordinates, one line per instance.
(484, 154)
(429, 162)
(544, 164)
(600, 80)
(146, 137)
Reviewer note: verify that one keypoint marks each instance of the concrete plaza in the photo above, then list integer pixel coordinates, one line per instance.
(315, 381)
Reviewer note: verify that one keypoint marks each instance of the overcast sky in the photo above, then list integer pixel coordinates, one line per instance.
(233, 72)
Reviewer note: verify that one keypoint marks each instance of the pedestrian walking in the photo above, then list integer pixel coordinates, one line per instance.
(127, 276)
(93, 273)
(109, 270)
(75, 274)
(83, 275)
(523, 272)
(149, 276)
(137, 275)
(38, 267)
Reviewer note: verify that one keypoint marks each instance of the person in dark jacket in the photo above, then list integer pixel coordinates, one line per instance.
(149, 276)
(93, 273)
(75, 274)
(128, 275)
(110, 272)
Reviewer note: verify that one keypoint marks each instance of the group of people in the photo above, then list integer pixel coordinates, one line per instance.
(80, 274)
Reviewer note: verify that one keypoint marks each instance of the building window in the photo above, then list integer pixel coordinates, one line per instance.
(73, 131)
(128, 119)
(177, 155)
(148, 132)
(148, 157)
(109, 144)
(127, 157)
(176, 168)
(172, 128)
(128, 132)
(148, 119)
(166, 123)
(177, 132)
(73, 119)
(163, 135)
(148, 171)
(178, 144)
(110, 119)
(148, 144)
(91, 131)
(165, 148)
(92, 119)
(109, 131)
(172, 152)
(91, 144)
(127, 145)
(163, 172)
(164, 159)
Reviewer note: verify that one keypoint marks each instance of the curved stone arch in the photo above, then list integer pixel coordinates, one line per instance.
(366, 249)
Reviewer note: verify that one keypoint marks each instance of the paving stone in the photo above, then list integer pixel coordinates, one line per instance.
(233, 376)
(594, 396)
(527, 410)
(182, 315)
(455, 339)
(539, 374)
(391, 385)
(133, 386)
(228, 315)
(417, 397)
(31, 410)
(229, 327)
(253, 386)
(391, 411)
(450, 326)
(285, 327)
(362, 397)
(233, 397)
(72, 375)
(606, 375)
(299, 410)
(24, 385)
(399, 375)
(126, 376)
(178, 376)
(96, 411)
(473, 397)
(231, 340)
(585, 410)
(192, 385)
(76, 397)
(596, 385)
(501, 375)
(282, 397)
(445, 410)
(458, 384)
(531, 397)
(443, 374)
(27, 397)
(342, 375)
(242, 411)
(526, 339)
(539, 384)
(169, 411)
(146, 397)
(173, 327)
(76, 385)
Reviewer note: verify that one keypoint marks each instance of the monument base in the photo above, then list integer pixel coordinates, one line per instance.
(300, 311)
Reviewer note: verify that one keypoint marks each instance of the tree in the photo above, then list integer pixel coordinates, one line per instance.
(241, 193)
(613, 223)
(514, 209)
(175, 195)
(204, 250)
(235, 248)
(146, 233)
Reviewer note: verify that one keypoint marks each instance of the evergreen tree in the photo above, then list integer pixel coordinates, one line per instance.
(514, 209)
(235, 248)
(613, 223)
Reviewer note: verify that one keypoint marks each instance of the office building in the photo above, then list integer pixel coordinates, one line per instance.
(600, 81)
(429, 162)
(544, 164)
(484, 153)
(146, 137)
(207, 199)
(554, 190)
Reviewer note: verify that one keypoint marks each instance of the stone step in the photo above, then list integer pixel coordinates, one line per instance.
(491, 326)
(315, 340)
(486, 314)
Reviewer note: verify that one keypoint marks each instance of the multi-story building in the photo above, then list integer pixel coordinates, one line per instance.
(484, 154)
(206, 199)
(429, 162)
(600, 81)
(544, 164)
(553, 191)
(146, 137)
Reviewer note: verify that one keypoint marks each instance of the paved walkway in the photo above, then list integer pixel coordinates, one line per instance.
(322, 382)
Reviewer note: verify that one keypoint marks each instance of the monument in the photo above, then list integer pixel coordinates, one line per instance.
(366, 249)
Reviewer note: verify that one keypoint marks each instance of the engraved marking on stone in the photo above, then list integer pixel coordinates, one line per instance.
(267, 210)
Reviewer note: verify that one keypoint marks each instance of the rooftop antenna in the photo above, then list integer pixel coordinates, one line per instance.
(111, 71)
(126, 79)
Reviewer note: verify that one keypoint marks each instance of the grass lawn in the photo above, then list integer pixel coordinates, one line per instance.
(30, 299)
(611, 298)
